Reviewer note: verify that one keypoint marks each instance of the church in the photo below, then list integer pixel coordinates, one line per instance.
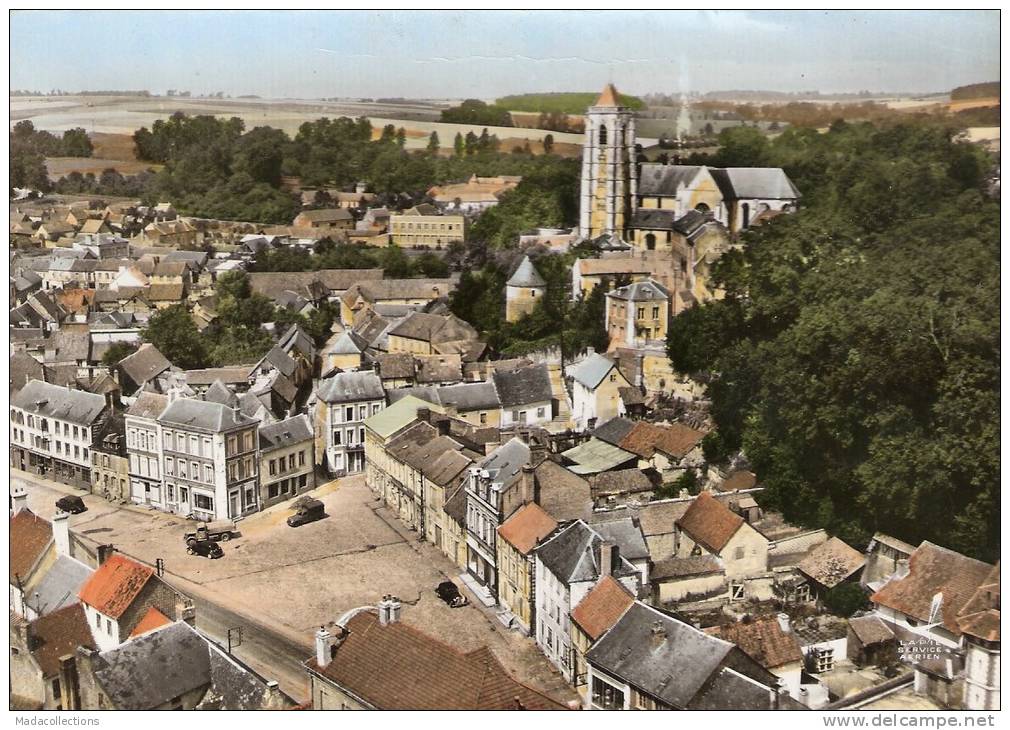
(652, 206)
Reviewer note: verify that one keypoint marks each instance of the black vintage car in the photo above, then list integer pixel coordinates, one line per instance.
(205, 548)
(72, 504)
(306, 510)
(449, 593)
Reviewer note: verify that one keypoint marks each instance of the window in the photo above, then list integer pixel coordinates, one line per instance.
(272, 467)
(739, 553)
(362, 412)
(483, 418)
(361, 435)
(603, 136)
(375, 408)
(336, 437)
(184, 494)
(641, 313)
(56, 689)
(607, 696)
(169, 466)
(301, 458)
(541, 412)
(204, 502)
(823, 659)
(613, 377)
(248, 440)
(736, 592)
(348, 414)
(232, 445)
(655, 312)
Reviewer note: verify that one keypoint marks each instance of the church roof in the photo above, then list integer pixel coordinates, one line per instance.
(609, 97)
(526, 275)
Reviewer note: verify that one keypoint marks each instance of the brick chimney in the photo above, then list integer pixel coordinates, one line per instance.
(528, 485)
(104, 552)
(61, 533)
(326, 645)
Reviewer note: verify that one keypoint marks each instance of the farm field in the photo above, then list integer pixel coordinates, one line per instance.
(123, 115)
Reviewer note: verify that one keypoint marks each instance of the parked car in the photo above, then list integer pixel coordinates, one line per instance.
(449, 593)
(205, 548)
(72, 504)
(307, 510)
(223, 530)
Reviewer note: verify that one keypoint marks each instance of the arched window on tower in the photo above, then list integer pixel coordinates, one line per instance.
(702, 208)
(603, 136)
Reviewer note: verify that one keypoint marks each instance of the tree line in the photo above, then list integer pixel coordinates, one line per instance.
(29, 148)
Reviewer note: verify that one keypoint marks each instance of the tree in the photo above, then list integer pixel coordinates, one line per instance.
(76, 143)
(433, 144)
(116, 352)
(401, 138)
(845, 599)
(175, 335)
(548, 144)
(458, 145)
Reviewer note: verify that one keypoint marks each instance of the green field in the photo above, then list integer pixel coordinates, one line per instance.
(568, 102)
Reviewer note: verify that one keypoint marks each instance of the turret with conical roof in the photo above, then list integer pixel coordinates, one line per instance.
(609, 181)
(522, 290)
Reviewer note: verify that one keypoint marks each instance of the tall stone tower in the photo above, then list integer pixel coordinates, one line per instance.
(609, 183)
(523, 290)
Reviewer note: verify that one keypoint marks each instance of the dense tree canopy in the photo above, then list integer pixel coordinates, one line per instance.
(856, 354)
(30, 147)
(474, 111)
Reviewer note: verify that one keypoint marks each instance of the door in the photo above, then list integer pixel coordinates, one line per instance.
(233, 505)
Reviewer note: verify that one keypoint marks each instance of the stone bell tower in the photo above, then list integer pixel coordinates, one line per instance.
(609, 183)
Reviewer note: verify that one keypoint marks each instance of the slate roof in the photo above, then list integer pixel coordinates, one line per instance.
(280, 435)
(438, 368)
(273, 283)
(30, 535)
(609, 97)
(115, 584)
(526, 275)
(58, 634)
(351, 387)
(613, 265)
(653, 219)
(591, 371)
(149, 670)
(573, 555)
(395, 365)
(763, 640)
(620, 481)
(54, 401)
(59, 586)
(279, 360)
(666, 658)
(397, 667)
(738, 183)
(709, 522)
(144, 364)
(468, 397)
(504, 464)
(433, 328)
(931, 570)
(527, 526)
(831, 562)
(349, 343)
(595, 456)
(218, 392)
(602, 607)
(624, 532)
(641, 291)
(326, 215)
(614, 430)
(523, 386)
(660, 179)
(203, 416)
(23, 369)
(148, 405)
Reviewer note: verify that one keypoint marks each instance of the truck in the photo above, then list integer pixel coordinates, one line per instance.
(306, 510)
(222, 530)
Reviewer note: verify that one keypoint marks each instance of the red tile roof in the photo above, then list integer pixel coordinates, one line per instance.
(709, 522)
(527, 527)
(739, 480)
(397, 667)
(645, 439)
(763, 640)
(602, 607)
(112, 588)
(932, 570)
(58, 634)
(980, 616)
(29, 537)
(153, 619)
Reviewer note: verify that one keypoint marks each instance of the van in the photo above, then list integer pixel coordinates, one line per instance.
(308, 510)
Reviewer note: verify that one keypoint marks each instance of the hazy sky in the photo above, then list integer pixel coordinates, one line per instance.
(485, 54)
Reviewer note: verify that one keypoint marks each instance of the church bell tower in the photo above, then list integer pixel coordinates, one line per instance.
(609, 183)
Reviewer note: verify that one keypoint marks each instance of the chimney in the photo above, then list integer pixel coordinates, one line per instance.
(783, 619)
(105, 552)
(901, 568)
(384, 610)
(20, 497)
(273, 699)
(326, 645)
(61, 533)
(528, 485)
(610, 558)
(777, 693)
(185, 611)
(424, 414)
(658, 632)
(394, 609)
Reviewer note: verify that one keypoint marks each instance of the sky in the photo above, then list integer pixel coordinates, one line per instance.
(455, 54)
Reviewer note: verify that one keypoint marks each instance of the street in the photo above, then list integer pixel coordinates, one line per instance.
(279, 584)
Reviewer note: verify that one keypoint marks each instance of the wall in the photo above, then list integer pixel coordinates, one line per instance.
(514, 586)
(284, 476)
(327, 696)
(668, 591)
